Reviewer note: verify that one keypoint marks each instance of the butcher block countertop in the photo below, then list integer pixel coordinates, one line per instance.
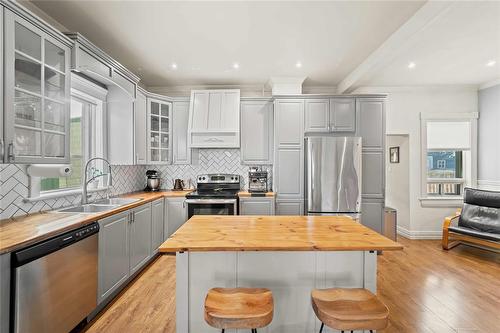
(23, 231)
(275, 233)
(248, 194)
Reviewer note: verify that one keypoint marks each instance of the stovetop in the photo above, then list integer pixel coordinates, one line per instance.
(229, 194)
(216, 186)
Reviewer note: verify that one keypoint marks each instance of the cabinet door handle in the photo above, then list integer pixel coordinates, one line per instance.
(11, 153)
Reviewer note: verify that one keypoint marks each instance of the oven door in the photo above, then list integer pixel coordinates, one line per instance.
(211, 207)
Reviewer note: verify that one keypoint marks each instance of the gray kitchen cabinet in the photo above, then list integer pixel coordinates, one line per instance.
(4, 291)
(2, 147)
(290, 173)
(157, 213)
(256, 132)
(87, 58)
(140, 134)
(372, 213)
(290, 207)
(317, 115)
(176, 215)
(289, 122)
(289, 135)
(342, 115)
(373, 170)
(372, 122)
(159, 124)
(257, 205)
(140, 237)
(181, 153)
(113, 253)
(36, 90)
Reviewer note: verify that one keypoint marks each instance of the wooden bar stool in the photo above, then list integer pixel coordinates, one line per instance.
(240, 308)
(349, 309)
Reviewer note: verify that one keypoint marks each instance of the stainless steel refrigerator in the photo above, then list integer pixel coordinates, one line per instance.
(333, 176)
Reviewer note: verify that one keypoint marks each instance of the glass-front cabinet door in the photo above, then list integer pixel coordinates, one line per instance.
(37, 85)
(159, 129)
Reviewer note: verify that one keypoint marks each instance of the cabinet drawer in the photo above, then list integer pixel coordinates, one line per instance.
(208, 140)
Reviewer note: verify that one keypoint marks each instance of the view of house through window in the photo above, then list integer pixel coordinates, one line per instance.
(86, 137)
(444, 172)
(448, 154)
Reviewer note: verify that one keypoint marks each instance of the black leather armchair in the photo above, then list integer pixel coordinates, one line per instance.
(478, 223)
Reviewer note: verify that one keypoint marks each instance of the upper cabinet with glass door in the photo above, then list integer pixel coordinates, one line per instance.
(159, 130)
(37, 88)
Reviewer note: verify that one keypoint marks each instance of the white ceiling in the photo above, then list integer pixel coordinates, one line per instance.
(267, 39)
(453, 48)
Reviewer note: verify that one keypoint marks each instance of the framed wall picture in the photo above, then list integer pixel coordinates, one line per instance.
(394, 154)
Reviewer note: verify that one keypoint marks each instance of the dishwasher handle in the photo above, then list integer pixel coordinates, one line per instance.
(27, 255)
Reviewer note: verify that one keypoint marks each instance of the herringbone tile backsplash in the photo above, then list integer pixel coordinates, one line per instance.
(14, 182)
(209, 161)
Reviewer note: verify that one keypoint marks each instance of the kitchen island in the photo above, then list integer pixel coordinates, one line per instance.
(291, 255)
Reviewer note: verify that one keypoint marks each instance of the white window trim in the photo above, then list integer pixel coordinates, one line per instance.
(448, 201)
(79, 85)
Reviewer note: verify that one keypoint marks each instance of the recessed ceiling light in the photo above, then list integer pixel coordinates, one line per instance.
(411, 65)
(236, 65)
(298, 64)
(174, 65)
(491, 63)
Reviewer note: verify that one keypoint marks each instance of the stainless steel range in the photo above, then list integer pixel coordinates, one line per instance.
(216, 194)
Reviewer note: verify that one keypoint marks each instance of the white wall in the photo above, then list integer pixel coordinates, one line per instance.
(404, 106)
(489, 138)
(397, 178)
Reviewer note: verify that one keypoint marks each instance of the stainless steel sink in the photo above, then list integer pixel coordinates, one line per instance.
(91, 208)
(117, 201)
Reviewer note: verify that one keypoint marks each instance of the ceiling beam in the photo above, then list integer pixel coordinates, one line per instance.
(397, 42)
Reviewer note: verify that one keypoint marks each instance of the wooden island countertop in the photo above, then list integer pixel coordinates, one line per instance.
(275, 233)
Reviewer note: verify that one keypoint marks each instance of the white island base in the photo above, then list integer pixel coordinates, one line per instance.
(290, 275)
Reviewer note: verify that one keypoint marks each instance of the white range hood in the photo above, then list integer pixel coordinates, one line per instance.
(214, 118)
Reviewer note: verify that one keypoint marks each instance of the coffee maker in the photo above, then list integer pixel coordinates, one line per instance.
(257, 180)
(153, 180)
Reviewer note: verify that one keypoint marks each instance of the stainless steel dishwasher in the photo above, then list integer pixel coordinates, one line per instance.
(55, 282)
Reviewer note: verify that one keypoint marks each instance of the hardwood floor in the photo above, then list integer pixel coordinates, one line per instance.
(426, 289)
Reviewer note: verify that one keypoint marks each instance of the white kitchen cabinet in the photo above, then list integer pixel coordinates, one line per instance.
(317, 115)
(214, 119)
(159, 131)
(157, 216)
(175, 213)
(181, 153)
(257, 205)
(257, 132)
(140, 237)
(342, 115)
(140, 125)
(289, 207)
(36, 92)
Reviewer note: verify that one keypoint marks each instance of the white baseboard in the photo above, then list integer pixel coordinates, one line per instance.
(492, 185)
(419, 234)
